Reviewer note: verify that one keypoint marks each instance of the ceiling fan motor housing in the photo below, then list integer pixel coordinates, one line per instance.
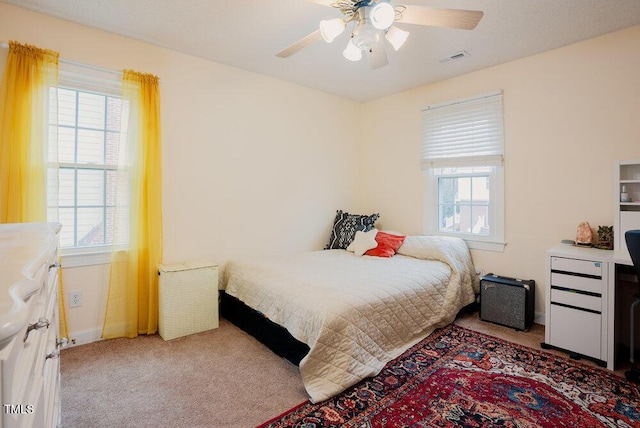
(365, 35)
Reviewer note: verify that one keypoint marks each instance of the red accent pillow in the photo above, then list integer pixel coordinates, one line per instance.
(388, 244)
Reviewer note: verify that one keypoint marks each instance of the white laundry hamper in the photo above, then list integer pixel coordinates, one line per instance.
(188, 298)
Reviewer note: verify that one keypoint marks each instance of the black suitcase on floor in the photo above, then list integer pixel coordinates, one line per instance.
(507, 301)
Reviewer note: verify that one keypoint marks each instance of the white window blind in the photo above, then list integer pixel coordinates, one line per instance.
(90, 79)
(463, 133)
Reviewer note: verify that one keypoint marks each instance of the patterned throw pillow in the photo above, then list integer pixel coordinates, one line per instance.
(345, 227)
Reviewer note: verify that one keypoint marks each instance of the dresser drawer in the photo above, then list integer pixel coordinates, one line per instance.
(578, 300)
(584, 267)
(591, 285)
(29, 355)
(575, 330)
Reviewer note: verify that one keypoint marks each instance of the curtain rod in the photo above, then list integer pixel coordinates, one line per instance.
(78, 64)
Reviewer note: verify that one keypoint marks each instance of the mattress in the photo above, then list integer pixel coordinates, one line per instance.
(357, 313)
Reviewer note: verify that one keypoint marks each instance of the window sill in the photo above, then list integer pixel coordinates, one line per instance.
(475, 243)
(79, 259)
(486, 246)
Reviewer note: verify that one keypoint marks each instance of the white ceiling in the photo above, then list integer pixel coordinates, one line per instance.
(248, 33)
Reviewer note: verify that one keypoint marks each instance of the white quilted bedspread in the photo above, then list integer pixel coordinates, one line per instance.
(357, 313)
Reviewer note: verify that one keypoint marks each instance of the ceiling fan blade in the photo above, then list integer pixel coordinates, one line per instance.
(449, 18)
(300, 44)
(377, 56)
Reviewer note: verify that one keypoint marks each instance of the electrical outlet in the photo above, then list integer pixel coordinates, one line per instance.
(75, 298)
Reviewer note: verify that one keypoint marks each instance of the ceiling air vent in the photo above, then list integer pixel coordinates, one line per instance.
(455, 57)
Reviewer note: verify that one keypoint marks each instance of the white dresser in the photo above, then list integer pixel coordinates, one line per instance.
(29, 346)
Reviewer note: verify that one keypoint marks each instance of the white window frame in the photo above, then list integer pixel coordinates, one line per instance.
(85, 78)
(495, 241)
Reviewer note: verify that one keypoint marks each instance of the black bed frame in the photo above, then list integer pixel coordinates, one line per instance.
(274, 336)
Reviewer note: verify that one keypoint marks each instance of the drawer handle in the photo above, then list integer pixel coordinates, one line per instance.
(54, 265)
(53, 354)
(42, 323)
(61, 343)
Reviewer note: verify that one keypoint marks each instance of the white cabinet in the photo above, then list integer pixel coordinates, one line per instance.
(29, 364)
(576, 303)
(627, 211)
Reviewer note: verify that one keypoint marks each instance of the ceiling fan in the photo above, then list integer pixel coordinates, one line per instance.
(373, 24)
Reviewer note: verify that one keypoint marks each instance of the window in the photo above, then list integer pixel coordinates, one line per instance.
(86, 118)
(462, 157)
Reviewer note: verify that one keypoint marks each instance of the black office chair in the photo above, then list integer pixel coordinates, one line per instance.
(632, 237)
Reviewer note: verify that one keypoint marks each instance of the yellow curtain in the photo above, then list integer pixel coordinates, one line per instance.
(25, 140)
(24, 96)
(132, 303)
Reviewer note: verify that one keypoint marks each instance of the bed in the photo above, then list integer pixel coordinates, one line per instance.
(355, 314)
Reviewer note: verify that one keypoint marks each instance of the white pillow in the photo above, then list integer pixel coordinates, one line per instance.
(363, 242)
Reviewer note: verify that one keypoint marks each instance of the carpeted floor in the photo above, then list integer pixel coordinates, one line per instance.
(219, 378)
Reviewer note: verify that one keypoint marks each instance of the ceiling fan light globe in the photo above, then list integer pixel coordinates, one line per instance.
(382, 15)
(351, 52)
(366, 36)
(331, 28)
(396, 37)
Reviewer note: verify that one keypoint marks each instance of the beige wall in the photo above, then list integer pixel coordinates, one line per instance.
(250, 165)
(568, 115)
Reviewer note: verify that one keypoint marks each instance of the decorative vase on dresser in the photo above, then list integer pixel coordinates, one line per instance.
(29, 343)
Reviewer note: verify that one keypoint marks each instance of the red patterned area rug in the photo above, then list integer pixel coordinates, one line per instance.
(460, 378)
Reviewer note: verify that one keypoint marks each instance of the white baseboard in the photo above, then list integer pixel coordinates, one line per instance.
(77, 338)
(84, 337)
